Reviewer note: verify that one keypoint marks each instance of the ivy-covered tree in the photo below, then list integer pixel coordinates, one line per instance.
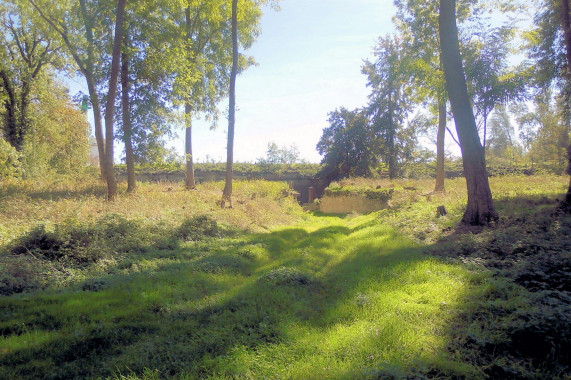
(27, 51)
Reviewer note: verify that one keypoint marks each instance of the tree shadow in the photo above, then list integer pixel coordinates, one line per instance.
(518, 327)
(195, 315)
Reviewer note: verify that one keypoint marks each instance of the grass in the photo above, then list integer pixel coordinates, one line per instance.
(400, 293)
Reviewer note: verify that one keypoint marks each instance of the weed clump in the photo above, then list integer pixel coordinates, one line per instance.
(287, 276)
(198, 228)
(63, 243)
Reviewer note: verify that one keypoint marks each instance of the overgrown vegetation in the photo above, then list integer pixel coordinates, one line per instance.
(171, 292)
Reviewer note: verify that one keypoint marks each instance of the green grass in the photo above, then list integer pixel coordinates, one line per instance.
(356, 296)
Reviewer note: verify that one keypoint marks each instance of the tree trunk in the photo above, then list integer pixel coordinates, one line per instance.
(189, 180)
(24, 103)
(391, 137)
(110, 105)
(440, 145)
(566, 22)
(11, 126)
(98, 123)
(480, 209)
(227, 194)
(127, 126)
(88, 71)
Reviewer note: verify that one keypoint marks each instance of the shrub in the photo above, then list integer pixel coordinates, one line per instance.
(64, 243)
(198, 227)
(9, 160)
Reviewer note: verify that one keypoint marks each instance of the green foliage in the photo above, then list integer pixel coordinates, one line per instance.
(10, 165)
(58, 140)
(349, 145)
(390, 101)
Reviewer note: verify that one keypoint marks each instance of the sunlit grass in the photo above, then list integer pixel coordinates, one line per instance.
(327, 297)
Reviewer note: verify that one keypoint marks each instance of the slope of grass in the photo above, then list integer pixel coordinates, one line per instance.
(391, 294)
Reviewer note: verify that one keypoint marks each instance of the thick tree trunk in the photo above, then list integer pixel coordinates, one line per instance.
(440, 145)
(24, 124)
(480, 209)
(11, 125)
(110, 105)
(189, 179)
(127, 127)
(566, 22)
(227, 194)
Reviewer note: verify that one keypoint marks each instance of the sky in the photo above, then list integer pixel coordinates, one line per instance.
(309, 57)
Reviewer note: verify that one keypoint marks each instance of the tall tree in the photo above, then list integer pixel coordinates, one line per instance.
(111, 94)
(417, 21)
(480, 209)
(491, 82)
(87, 45)
(227, 194)
(389, 101)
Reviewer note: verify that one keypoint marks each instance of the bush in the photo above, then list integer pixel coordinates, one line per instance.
(198, 228)
(64, 243)
(9, 160)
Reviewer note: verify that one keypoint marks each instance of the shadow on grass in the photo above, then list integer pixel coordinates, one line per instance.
(180, 316)
(193, 317)
(519, 326)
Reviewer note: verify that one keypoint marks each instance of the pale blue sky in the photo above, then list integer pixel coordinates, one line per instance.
(309, 63)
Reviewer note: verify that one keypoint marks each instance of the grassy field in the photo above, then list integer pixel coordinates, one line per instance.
(163, 284)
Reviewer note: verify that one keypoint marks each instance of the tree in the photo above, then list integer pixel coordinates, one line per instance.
(126, 117)
(480, 209)
(502, 141)
(280, 155)
(57, 142)
(227, 194)
(549, 45)
(349, 145)
(566, 24)
(389, 101)
(148, 67)
(86, 42)
(206, 61)
(27, 51)
(418, 22)
(490, 81)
